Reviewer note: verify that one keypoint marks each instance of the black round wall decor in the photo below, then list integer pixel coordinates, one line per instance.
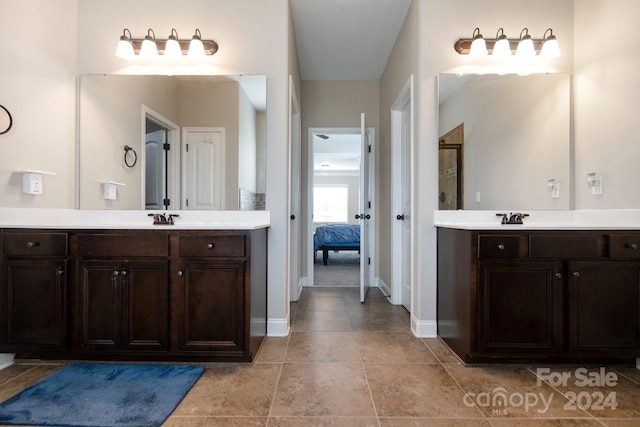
(6, 121)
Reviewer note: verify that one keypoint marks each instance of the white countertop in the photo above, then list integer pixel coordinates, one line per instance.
(131, 219)
(605, 219)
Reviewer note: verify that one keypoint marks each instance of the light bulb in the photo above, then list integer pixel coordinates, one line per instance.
(125, 46)
(149, 48)
(196, 47)
(550, 46)
(525, 45)
(501, 48)
(478, 45)
(172, 47)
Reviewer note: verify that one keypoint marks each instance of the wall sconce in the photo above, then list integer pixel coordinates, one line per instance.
(554, 187)
(595, 182)
(174, 47)
(547, 47)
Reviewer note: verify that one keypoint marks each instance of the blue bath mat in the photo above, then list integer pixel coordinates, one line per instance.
(89, 394)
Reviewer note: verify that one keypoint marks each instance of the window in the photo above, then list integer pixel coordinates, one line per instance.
(330, 203)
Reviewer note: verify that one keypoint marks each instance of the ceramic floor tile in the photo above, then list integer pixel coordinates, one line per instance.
(630, 372)
(181, 421)
(232, 390)
(393, 348)
(322, 389)
(323, 303)
(10, 372)
(323, 422)
(272, 350)
(323, 347)
(616, 399)
(433, 422)
(630, 422)
(327, 321)
(502, 391)
(28, 378)
(442, 352)
(379, 322)
(564, 422)
(405, 390)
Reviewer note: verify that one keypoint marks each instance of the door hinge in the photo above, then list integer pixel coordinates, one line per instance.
(369, 205)
(166, 202)
(187, 146)
(369, 261)
(166, 146)
(187, 202)
(369, 147)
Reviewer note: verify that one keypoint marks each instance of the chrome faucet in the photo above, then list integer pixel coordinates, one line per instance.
(512, 218)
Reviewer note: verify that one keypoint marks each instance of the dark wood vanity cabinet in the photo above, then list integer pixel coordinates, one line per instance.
(539, 294)
(134, 295)
(34, 291)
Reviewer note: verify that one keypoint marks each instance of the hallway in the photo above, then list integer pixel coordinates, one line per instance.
(352, 364)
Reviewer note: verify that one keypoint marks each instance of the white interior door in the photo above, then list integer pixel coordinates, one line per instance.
(405, 203)
(365, 211)
(155, 169)
(203, 172)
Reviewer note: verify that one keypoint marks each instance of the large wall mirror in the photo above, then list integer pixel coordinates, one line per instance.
(504, 142)
(172, 142)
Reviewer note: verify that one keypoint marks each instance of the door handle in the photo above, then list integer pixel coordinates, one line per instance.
(358, 216)
(367, 216)
(400, 217)
(292, 217)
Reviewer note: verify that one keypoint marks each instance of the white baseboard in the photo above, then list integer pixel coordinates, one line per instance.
(278, 327)
(424, 328)
(383, 286)
(6, 360)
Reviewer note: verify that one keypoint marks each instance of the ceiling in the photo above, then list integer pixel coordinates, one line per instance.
(338, 153)
(346, 39)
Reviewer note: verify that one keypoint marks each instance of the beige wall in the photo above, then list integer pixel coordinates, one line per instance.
(333, 104)
(38, 75)
(607, 98)
(402, 64)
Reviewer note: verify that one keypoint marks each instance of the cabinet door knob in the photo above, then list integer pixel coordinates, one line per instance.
(60, 272)
(116, 273)
(558, 275)
(501, 247)
(180, 273)
(210, 246)
(576, 274)
(123, 273)
(634, 246)
(33, 244)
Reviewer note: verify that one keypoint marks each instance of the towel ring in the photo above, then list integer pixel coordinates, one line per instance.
(135, 156)
(6, 121)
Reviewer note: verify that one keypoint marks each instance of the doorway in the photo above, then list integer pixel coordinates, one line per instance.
(341, 227)
(160, 162)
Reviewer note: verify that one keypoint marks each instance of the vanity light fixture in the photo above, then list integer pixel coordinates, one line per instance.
(151, 47)
(478, 45)
(501, 46)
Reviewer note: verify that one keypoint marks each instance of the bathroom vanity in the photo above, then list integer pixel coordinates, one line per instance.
(554, 291)
(195, 291)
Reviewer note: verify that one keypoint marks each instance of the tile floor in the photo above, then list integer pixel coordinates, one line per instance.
(352, 364)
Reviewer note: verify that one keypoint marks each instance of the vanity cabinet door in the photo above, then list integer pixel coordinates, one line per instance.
(123, 304)
(100, 304)
(520, 308)
(604, 306)
(210, 306)
(35, 296)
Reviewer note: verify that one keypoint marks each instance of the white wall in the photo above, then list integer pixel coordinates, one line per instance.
(38, 75)
(607, 101)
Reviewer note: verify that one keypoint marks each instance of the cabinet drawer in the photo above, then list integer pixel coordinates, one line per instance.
(120, 245)
(624, 246)
(499, 247)
(563, 246)
(35, 244)
(212, 246)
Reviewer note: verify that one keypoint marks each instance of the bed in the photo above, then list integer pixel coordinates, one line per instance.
(336, 237)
